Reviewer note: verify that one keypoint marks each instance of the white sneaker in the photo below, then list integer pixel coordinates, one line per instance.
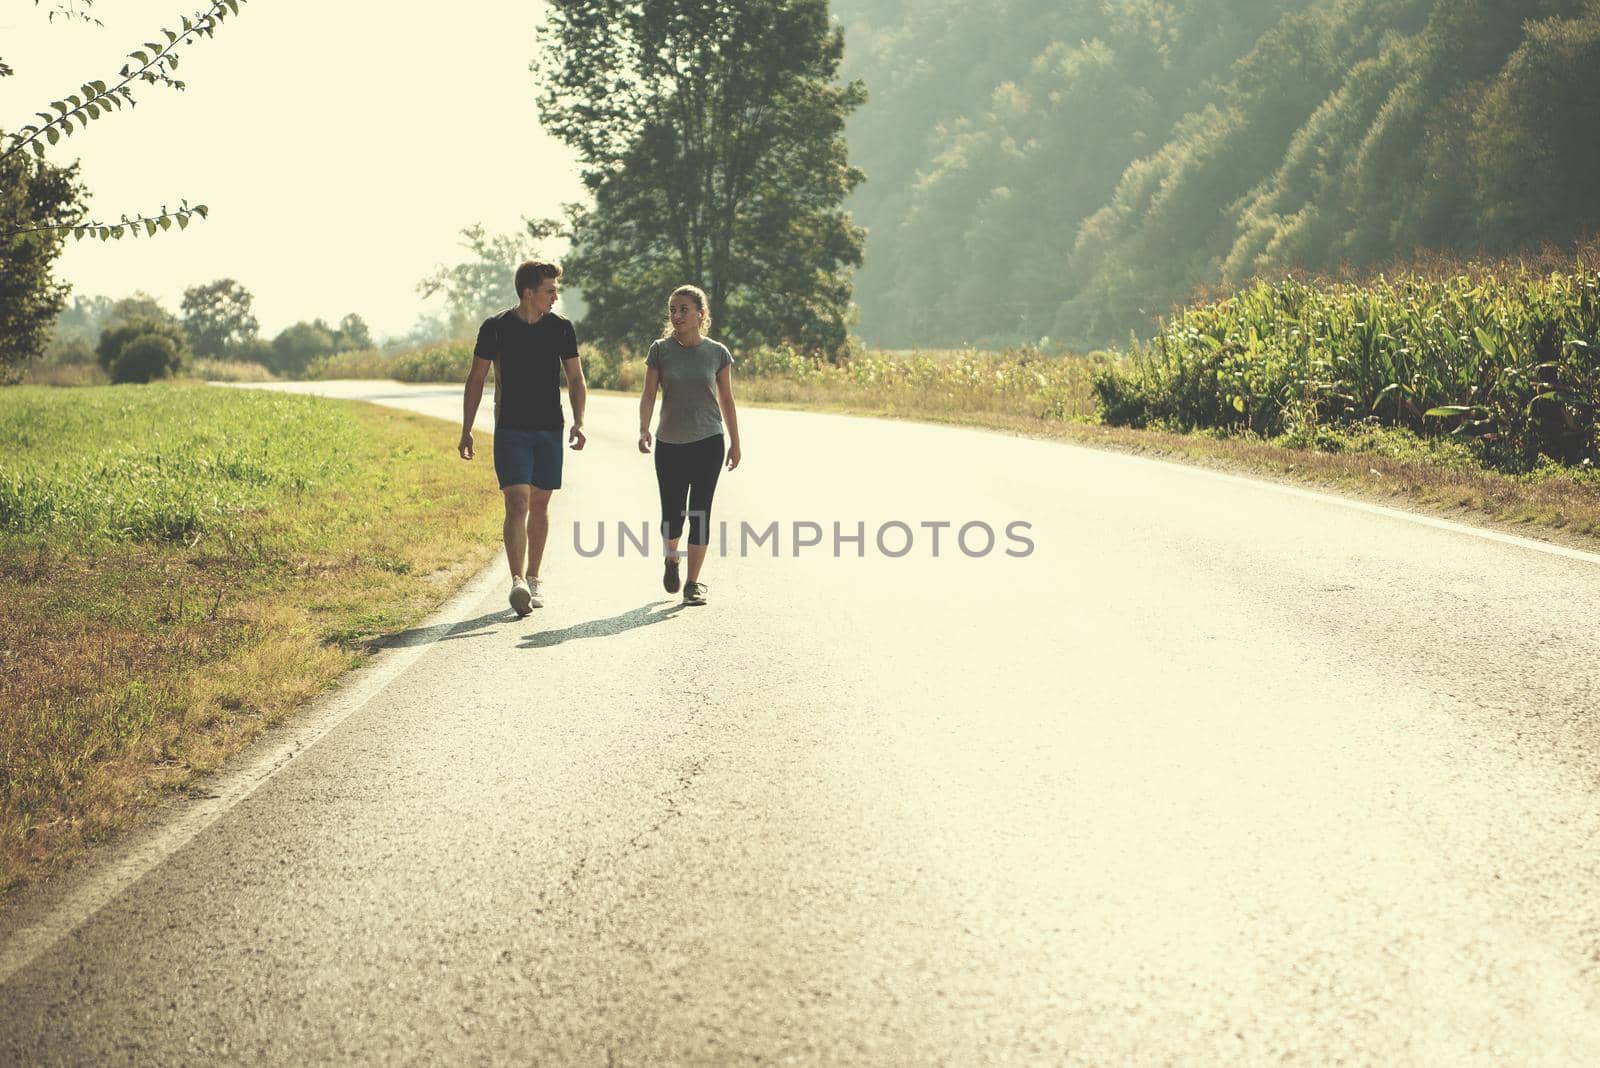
(536, 593)
(521, 597)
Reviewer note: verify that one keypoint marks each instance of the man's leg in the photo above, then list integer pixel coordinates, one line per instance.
(538, 527)
(516, 528)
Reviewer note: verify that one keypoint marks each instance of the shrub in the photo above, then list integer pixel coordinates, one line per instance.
(229, 371)
(619, 368)
(147, 358)
(363, 363)
(118, 336)
(443, 361)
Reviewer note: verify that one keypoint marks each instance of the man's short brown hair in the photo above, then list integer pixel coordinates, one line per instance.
(533, 272)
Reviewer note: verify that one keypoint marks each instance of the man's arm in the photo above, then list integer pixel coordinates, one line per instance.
(470, 402)
(577, 393)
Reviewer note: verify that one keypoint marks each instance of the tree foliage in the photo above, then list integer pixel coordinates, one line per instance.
(1097, 161)
(711, 138)
(40, 197)
(352, 334)
(296, 346)
(138, 305)
(481, 285)
(218, 319)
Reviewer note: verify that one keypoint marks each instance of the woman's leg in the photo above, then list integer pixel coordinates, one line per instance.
(672, 481)
(706, 468)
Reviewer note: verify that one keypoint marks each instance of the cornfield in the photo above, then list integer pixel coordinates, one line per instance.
(1509, 359)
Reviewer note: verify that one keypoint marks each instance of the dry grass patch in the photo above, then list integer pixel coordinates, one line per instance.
(946, 386)
(64, 374)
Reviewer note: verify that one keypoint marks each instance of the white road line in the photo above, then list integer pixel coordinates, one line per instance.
(1396, 513)
(307, 727)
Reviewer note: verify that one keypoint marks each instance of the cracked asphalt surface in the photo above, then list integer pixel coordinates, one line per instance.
(1219, 773)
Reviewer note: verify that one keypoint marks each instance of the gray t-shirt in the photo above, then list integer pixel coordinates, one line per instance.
(689, 408)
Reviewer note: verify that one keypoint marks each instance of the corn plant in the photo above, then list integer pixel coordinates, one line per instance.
(1507, 358)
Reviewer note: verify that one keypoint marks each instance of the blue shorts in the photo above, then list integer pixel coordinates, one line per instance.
(528, 458)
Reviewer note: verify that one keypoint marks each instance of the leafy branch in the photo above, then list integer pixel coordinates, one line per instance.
(68, 9)
(156, 62)
(129, 226)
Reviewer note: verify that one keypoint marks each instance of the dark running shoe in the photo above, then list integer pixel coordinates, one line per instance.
(694, 593)
(669, 577)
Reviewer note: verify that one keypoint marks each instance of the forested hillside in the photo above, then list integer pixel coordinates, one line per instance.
(1071, 168)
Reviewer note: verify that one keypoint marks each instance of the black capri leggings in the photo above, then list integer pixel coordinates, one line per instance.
(688, 471)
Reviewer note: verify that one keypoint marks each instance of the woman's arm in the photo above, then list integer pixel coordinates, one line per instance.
(729, 415)
(647, 406)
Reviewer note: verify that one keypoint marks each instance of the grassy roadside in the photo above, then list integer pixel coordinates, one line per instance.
(181, 566)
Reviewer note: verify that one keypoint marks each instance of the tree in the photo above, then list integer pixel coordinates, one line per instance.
(35, 199)
(425, 331)
(140, 305)
(479, 287)
(77, 330)
(352, 335)
(218, 319)
(83, 317)
(295, 348)
(1532, 144)
(711, 138)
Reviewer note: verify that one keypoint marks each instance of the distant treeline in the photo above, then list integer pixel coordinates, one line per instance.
(1074, 168)
(137, 339)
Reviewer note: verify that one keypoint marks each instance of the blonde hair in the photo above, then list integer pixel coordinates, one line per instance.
(694, 293)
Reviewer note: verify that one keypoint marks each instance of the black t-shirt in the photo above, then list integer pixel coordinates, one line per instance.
(527, 393)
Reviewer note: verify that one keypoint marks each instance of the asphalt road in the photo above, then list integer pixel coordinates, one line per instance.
(1219, 772)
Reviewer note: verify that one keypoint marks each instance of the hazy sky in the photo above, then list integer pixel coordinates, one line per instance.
(341, 146)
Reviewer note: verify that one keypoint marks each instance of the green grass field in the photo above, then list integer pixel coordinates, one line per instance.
(182, 565)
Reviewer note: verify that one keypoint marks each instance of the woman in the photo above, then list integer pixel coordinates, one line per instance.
(695, 374)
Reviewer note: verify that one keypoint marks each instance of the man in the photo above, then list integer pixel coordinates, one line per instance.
(529, 346)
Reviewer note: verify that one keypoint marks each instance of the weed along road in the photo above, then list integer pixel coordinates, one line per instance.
(1180, 768)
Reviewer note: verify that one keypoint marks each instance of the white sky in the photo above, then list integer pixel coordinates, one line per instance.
(341, 145)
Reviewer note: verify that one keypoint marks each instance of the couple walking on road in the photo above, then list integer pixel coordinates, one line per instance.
(530, 346)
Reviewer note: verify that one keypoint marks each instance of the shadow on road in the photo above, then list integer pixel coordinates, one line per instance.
(485, 624)
(603, 628)
(444, 632)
